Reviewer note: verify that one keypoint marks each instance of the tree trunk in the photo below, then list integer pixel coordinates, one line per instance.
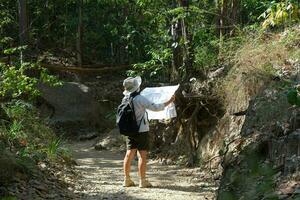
(176, 51)
(79, 34)
(187, 37)
(47, 17)
(228, 18)
(65, 26)
(234, 15)
(221, 22)
(23, 25)
(182, 53)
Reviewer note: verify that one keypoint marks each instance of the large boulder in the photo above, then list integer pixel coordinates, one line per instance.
(71, 107)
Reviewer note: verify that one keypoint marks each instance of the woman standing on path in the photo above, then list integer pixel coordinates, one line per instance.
(139, 143)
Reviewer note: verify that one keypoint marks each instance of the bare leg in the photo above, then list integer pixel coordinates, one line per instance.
(142, 163)
(127, 161)
(142, 169)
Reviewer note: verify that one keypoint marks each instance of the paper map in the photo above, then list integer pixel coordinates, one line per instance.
(161, 95)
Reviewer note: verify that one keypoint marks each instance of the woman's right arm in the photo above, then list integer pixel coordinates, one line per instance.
(170, 101)
(153, 106)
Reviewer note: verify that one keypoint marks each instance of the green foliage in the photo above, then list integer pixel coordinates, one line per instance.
(293, 97)
(14, 131)
(135, 32)
(226, 195)
(16, 81)
(252, 9)
(155, 67)
(54, 148)
(206, 49)
(162, 43)
(28, 134)
(279, 13)
(13, 50)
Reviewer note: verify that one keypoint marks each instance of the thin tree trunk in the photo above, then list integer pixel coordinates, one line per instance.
(187, 41)
(228, 18)
(234, 15)
(176, 34)
(187, 46)
(221, 22)
(65, 26)
(47, 16)
(23, 25)
(112, 53)
(79, 34)
(176, 51)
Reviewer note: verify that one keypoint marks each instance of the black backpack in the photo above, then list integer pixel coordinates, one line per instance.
(126, 118)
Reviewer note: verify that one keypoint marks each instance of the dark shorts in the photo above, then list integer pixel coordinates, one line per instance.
(140, 141)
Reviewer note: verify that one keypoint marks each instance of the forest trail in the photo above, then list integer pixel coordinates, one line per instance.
(101, 178)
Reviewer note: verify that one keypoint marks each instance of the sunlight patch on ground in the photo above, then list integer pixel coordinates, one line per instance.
(102, 178)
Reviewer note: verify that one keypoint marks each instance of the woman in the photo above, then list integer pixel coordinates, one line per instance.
(139, 143)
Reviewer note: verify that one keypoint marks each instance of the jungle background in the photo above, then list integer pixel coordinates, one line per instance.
(62, 64)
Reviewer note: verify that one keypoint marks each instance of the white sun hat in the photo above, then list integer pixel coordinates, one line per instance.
(131, 84)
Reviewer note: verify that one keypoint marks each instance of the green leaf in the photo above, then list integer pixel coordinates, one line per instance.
(292, 96)
(14, 50)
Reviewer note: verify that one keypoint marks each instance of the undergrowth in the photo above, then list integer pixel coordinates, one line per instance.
(263, 62)
(25, 139)
(260, 60)
(252, 178)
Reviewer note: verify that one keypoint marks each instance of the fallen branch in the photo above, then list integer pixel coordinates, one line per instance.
(86, 69)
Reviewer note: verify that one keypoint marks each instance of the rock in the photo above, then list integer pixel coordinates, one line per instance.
(71, 106)
(42, 165)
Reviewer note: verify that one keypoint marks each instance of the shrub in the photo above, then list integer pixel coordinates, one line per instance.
(20, 79)
(280, 13)
(28, 135)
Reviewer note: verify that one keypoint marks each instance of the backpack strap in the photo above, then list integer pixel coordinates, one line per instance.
(147, 117)
(132, 96)
(141, 121)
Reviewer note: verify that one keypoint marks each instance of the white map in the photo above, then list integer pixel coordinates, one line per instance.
(161, 95)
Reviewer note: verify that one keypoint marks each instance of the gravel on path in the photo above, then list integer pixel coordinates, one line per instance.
(102, 176)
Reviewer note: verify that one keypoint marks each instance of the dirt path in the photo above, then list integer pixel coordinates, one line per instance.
(102, 178)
